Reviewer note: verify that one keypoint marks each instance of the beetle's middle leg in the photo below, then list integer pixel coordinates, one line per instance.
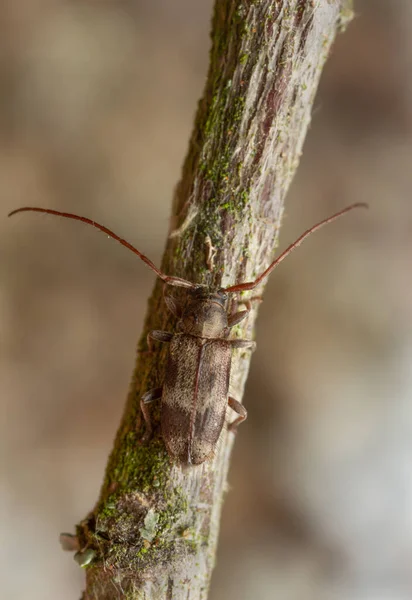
(243, 344)
(145, 400)
(158, 336)
(240, 410)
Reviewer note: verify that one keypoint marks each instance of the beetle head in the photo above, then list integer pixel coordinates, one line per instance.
(203, 293)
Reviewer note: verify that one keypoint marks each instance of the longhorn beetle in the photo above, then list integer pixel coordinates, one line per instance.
(195, 389)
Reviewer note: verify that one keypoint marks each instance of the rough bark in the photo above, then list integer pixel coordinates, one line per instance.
(154, 529)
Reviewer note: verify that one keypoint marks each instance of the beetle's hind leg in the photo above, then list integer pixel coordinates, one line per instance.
(145, 400)
(240, 410)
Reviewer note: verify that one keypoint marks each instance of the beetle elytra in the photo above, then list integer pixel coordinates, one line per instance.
(195, 391)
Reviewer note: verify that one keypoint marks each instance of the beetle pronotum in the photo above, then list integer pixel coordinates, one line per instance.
(195, 390)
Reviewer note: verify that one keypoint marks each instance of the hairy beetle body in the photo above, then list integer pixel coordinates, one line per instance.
(196, 385)
(195, 396)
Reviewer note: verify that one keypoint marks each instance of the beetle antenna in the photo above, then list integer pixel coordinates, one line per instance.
(174, 281)
(250, 285)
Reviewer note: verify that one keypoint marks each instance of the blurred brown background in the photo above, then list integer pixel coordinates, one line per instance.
(97, 102)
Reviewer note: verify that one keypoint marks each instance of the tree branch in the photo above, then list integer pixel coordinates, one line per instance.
(154, 529)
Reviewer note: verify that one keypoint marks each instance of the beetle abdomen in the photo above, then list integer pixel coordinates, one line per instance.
(194, 398)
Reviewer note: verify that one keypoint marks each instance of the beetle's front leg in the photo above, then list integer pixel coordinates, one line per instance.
(237, 317)
(145, 400)
(174, 306)
(240, 410)
(248, 303)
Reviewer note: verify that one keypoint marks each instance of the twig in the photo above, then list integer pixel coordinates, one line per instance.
(154, 529)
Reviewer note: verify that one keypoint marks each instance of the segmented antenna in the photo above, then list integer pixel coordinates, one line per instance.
(175, 281)
(250, 285)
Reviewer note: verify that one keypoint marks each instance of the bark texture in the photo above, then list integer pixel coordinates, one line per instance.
(153, 531)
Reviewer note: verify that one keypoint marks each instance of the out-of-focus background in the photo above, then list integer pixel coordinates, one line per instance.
(97, 102)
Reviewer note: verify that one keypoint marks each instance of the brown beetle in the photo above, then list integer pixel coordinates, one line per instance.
(195, 390)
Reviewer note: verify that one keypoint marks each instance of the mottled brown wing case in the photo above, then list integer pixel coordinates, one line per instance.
(194, 398)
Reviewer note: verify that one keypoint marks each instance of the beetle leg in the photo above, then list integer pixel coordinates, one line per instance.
(174, 306)
(145, 400)
(236, 318)
(248, 303)
(159, 336)
(240, 410)
(243, 344)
